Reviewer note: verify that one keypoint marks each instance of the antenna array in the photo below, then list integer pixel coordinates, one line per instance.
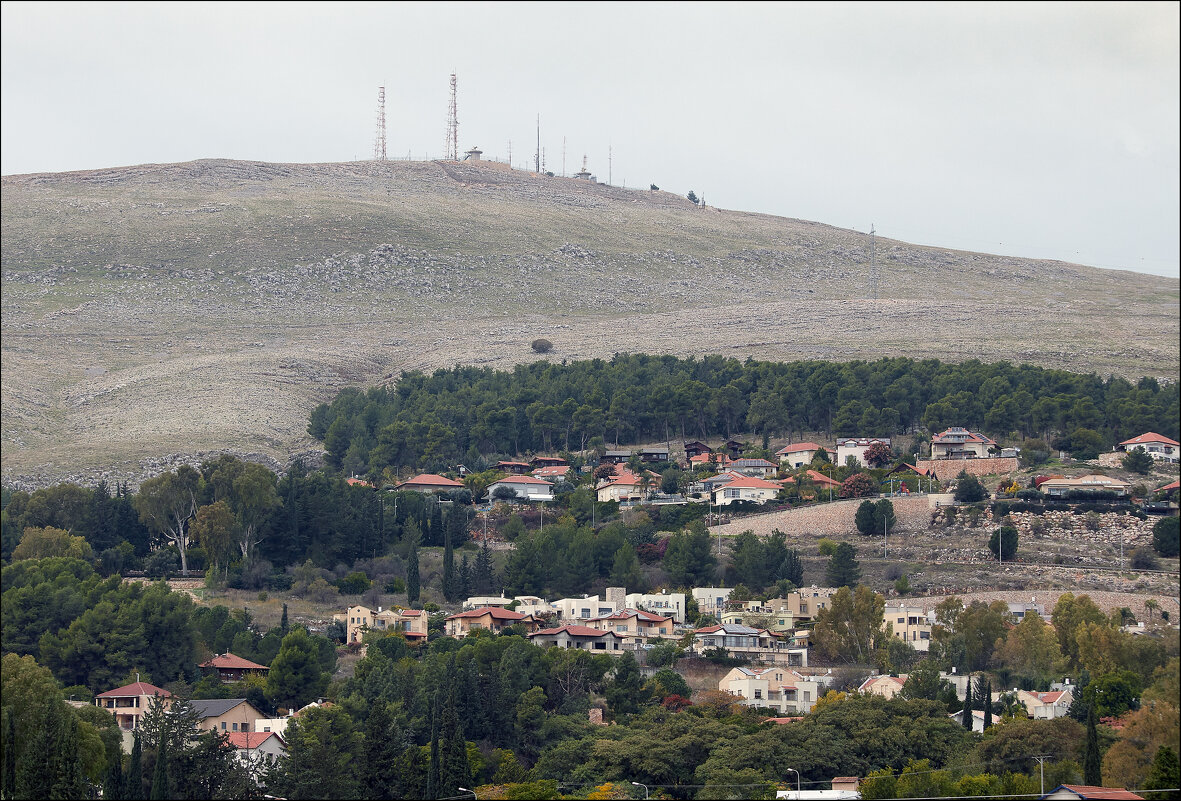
(451, 151)
(379, 139)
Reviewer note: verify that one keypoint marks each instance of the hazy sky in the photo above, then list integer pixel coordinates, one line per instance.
(1023, 129)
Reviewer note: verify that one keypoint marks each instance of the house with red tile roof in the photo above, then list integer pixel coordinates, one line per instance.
(719, 461)
(634, 625)
(1155, 445)
(960, 443)
(885, 686)
(256, 748)
(818, 479)
(552, 472)
(584, 637)
(357, 620)
(429, 482)
(547, 461)
(513, 468)
(230, 667)
(625, 486)
(527, 488)
(491, 618)
(130, 702)
(797, 455)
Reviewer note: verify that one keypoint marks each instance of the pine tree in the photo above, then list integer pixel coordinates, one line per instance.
(1092, 762)
(843, 569)
(65, 766)
(160, 791)
(412, 538)
(133, 787)
(966, 713)
(113, 781)
(8, 783)
(1163, 774)
(384, 744)
(454, 771)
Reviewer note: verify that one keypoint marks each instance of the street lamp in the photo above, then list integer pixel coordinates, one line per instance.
(797, 773)
(464, 789)
(637, 784)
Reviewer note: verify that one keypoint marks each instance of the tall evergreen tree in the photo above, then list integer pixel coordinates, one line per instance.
(986, 703)
(160, 791)
(283, 625)
(1092, 762)
(412, 538)
(113, 781)
(8, 782)
(454, 772)
(484, 579)
(133, 787)
(384, 744)
(433, 767)
(465, 578)
(843, 569)
(966, 713)
(449, 581)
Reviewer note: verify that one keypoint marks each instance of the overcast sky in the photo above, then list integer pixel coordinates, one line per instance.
(1022, 129)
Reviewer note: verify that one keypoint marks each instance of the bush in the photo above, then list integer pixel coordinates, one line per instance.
(827, 546)
(395, 585)
(1030, 495)
(541, 345)
(1166, 536)
(858, 485)
(1145, 559)
(354, 583)
(1137, 460)
(164, 563)
(969, 489)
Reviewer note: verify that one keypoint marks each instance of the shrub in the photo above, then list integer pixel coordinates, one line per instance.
(1166, 536)
(1003, 542)
(654, 188)
(1137, 460)
(827, 546)
(395, 585)
(1145, 559)
(858, 485)
(969, 489)
(164, 563)
(1030, 495)
(354, 583)
(541, 345)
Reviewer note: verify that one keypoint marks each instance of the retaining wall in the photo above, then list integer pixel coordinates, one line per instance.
(829, 519)
(947, 469)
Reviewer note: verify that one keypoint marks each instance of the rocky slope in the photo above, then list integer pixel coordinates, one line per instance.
(162, 311)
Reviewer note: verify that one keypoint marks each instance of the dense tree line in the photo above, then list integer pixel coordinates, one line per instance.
(432, 421)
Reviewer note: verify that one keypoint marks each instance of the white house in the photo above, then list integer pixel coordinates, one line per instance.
(797, 455)
(759, 468)
(856, 447)
(584, 608)
(670, 604)
(256, 749)
(711, 600)
(1155, 445)
(745, 488)
(526, 488)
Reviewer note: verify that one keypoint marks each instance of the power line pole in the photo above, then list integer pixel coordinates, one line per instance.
(608, 165)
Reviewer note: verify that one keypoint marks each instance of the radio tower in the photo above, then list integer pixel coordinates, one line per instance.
(452, 127)
(379, 140)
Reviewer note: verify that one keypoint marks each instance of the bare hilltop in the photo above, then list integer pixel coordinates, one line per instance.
(159, 312)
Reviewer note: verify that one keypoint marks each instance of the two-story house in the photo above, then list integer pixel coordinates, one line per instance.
(757, 468)
(778, 688)
(797, 455)
(856, 448)
(575, 636)
(525, 488)
(759, 644)
(960, 443)
(490, 618)
(746, 488)
(885, 686)
(226, 714)
(711, 600)
(584, 608)
(911, 623)
(670, 604)
(1155, 445)
(634, 625)
(411, 623)
(129, 702)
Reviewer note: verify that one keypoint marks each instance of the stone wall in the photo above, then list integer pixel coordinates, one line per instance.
(948, 469)
(1106, 527)
(829, 519)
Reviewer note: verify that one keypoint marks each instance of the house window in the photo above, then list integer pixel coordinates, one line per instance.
(803, 608)
(266, 728)
(223, 725)
(901, 620)
(235, 726)
(924, 635)
(758, 693)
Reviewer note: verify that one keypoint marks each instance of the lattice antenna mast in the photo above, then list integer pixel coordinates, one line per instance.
(609, 166)
(379, 139)
(452, 148)
(873, 264)
(537, 153)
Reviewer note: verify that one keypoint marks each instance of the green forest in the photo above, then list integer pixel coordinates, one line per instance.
(430, 422)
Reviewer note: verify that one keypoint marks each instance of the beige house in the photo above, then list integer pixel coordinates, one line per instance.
(758, 644)
(1092, 482)
(226, 714)
(1046, 706)
(960, 443)
(779, 688)
(759, 468)
(745, 488)
(410, 623)
(626, 486)
(129, 703)
(671, 604)
(885, 686)
(584, 637)
(797, 455)
(491, 618)
(634, 625)
(911, 623)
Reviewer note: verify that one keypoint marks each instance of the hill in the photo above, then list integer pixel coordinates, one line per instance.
(175, 309)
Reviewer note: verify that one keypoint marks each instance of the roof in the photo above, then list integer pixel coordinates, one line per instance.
(899, 680)
(958, 435)
(354, 481)
(1090, 791)
(728, 628)
(1172, 486)
(860, 442)
(797, 448)
(1088, 481)
(1144, 439)
(215, 707)
(430, 480)
(251, 739)
(576, 631)
(750, 482)
(552, 470)
(494, 611)
(228, 661)
(521, 480)
(512, 464)
(1050, 698)
(624, 614)
(754, 463)
(135, 688)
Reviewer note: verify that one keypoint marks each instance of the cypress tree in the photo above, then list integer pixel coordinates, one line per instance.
(483, 579)
(160, 791)
(65, 765)
(454, 771)
(465, 578)
(987, 702)
(283, 620)
(113, 781)
(412, 588)
(1092, 762)
(432, 769)
(133, 787)
(448, 563)
(383, 746)
(966, 714)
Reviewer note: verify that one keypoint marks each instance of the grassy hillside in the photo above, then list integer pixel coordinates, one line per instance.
(172, 309)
